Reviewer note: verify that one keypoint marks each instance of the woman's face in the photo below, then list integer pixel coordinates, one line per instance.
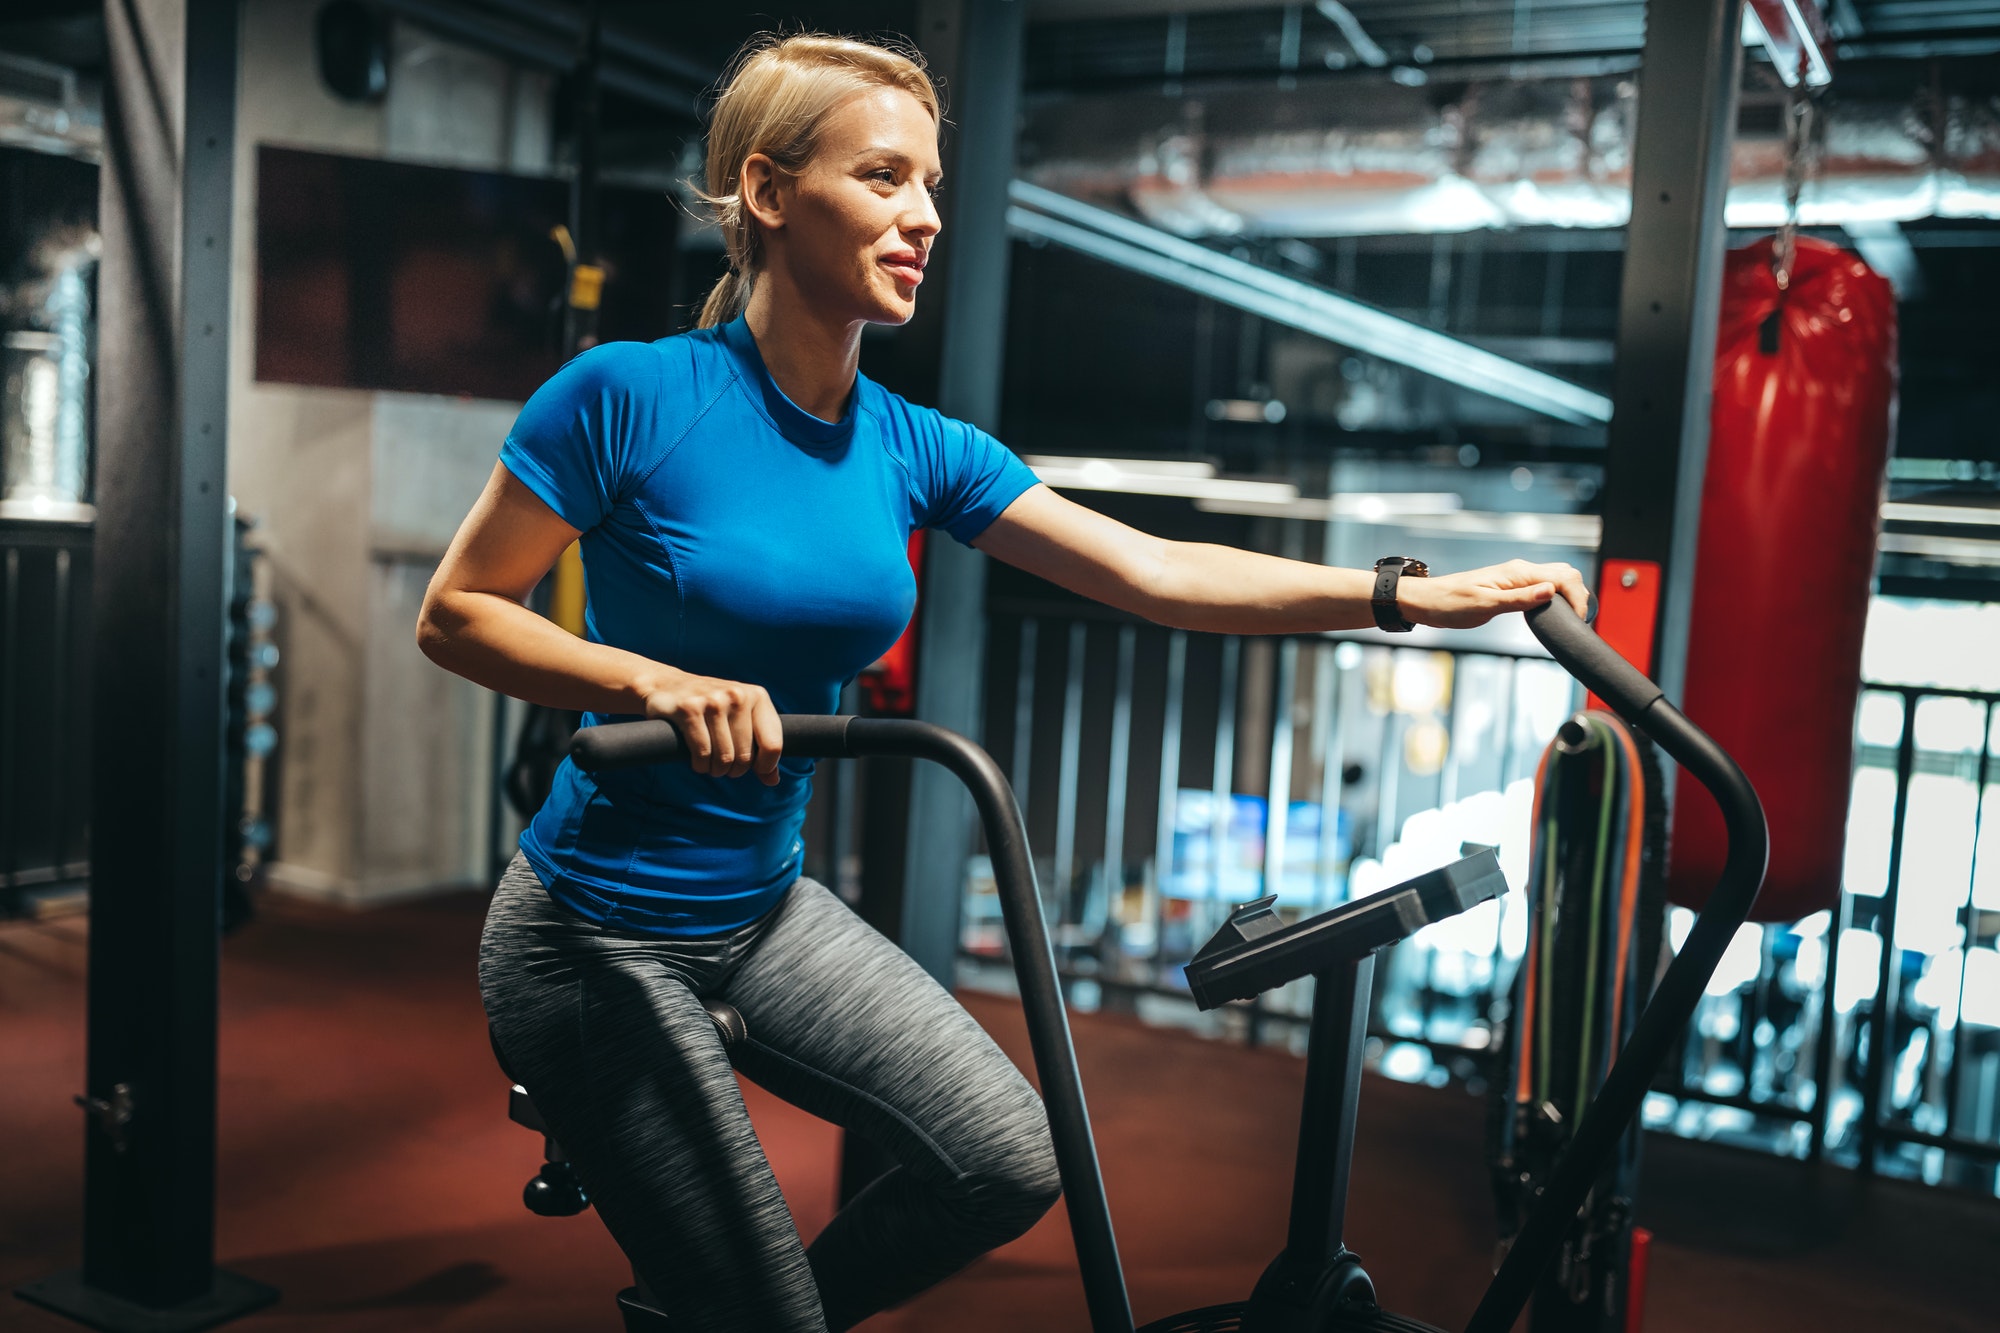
(858, 222)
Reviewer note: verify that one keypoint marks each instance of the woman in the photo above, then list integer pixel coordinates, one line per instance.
(744, 497)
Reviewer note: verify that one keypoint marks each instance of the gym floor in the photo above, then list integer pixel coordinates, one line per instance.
(369, 1171)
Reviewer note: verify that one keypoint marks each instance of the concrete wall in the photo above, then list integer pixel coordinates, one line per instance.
(385, 759)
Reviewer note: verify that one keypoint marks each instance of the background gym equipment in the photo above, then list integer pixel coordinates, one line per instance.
(1317, 1283)
(1596, 903)
(1805, 393)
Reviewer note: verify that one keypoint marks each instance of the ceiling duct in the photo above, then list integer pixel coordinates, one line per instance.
(1378, 158)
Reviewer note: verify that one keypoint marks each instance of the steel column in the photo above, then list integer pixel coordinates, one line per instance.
(919, 822)
(977, 45)
(157, 719)
(1657, 442)
(1117, 771)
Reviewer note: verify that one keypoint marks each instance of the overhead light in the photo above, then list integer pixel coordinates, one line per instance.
(1358, 506)
(1195, 481)
(1151, 467)
(1578, 530)
(1246, 409)
(1954, 550)
(1904, 511)
(1043, 214)
(1796, 35)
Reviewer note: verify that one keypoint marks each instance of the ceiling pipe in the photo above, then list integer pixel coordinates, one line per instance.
(619, 42)
(1040, 214)
(557, 52)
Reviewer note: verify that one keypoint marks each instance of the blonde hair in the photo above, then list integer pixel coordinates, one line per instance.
(775, 100)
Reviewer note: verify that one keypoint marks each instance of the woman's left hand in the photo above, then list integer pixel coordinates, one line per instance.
(1460, 601)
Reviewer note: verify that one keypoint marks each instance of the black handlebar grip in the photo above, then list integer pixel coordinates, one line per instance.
(816, 735)
(1591, 660)
(623, 744)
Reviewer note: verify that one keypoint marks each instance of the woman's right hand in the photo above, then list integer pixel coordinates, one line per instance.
(728, 727)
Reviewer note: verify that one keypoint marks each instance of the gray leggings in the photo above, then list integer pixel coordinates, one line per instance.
(606, 1031)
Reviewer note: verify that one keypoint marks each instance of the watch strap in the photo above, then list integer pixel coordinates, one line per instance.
(1388, 577)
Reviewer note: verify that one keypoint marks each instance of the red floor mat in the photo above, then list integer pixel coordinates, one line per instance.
(369, 1171)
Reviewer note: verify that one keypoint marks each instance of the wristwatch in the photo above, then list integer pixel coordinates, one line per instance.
(1389, 571)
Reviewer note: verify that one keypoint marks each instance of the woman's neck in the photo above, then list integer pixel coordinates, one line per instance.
(812, 359)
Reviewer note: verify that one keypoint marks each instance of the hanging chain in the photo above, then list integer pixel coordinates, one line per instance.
(1801, 152)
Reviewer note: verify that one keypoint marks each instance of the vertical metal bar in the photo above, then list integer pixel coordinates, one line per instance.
(1024, 708)
(1330, 729)
(1448, 780)
(1278, 788)
(10, 693)
(1388, 781)
(1552, 293)
(1951, 1076)
(1440, 290)
(1174, 62)
(497, 854)
(1829, 1028)
(1326, 1121)
(1068, 768)
(1170, 764)
(1222, 779)
(841, 815)
(1881, 1025)
(1118, 770)
(157, 696)
(58, 704)
(585, 199)
(1656, 448)
(1505, 725)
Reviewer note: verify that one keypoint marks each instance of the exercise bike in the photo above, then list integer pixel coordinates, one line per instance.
(1316, 1284)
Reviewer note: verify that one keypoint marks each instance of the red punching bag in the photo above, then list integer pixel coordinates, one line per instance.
(1805, 389)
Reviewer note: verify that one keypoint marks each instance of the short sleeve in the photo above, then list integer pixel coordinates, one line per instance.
(971, 479)
(573, 441)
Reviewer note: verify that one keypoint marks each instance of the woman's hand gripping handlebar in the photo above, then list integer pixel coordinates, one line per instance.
(657, 741)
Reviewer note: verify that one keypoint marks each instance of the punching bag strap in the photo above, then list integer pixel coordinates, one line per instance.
(1799, 144)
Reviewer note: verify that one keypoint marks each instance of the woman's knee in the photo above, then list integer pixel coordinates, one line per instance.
(1016, 1178)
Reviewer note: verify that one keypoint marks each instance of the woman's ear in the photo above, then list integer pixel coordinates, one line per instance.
(759, 186)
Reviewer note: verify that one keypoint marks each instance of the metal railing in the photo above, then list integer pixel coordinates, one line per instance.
(44, 707)
(1168, 775)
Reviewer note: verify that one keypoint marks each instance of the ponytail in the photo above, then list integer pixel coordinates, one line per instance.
(726, 300)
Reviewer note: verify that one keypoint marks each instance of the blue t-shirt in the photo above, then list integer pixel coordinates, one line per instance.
(730, 533)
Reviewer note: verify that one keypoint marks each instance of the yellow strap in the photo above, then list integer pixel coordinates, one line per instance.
(586, 286)
(566, 597)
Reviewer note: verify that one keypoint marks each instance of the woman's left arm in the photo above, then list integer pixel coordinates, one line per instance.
(1201, 586)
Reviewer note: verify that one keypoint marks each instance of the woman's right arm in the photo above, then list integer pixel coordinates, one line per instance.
(476, 622)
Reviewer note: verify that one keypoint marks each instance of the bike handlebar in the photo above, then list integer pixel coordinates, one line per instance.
(621, 744)
(818, 736)
(1642, 703)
